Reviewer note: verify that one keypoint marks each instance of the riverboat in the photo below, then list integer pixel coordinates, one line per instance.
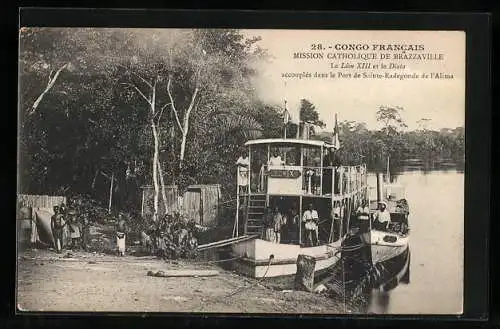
(391, 242)
(291, 176)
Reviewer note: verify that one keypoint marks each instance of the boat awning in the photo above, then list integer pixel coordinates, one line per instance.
(290, 141)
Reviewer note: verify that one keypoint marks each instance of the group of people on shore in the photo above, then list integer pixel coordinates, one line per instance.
(170, 239)
(69, 223)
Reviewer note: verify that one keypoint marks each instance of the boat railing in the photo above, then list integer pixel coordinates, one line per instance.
(309, 180)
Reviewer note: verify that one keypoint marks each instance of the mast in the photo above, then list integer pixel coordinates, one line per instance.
(287, 117)
(388, 173)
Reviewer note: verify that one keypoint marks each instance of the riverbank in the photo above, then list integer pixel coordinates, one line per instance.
(92, 282)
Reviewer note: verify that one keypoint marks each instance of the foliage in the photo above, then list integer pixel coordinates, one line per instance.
(309, 113)
(95, 122)
(390, 117)
(359, 144)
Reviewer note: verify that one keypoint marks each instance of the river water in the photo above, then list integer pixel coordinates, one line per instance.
(436, 200)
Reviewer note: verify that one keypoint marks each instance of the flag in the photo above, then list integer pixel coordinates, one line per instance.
(286, 115)
(335, 138)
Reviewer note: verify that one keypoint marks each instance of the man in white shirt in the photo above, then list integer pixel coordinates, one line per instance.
(311, 218)
(383, 216)
(275, 160)
(363, 218)
(243, 163)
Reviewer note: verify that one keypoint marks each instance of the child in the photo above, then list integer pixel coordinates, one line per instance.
(192, 246)
(74, 228)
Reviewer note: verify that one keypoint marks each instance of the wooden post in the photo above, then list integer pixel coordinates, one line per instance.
(330, 237)
(267, 177)
(321, 172)
(235, 228)
(304, 278)
(142, 205)
(341, 178)
(249, 172)
(300, 219)
(380, 187)
(388, 174)
(334, 171)
(111, 191)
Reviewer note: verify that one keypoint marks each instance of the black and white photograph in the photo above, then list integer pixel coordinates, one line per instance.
(216, 170)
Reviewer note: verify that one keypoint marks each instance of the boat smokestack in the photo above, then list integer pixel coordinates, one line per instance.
(380, 186)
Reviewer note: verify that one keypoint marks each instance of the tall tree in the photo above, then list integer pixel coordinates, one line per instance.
(309, 114)
(390, 117)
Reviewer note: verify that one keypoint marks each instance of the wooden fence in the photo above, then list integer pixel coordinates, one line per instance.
(39, 201)
(199, 203)
(26, 218)
(148, 200)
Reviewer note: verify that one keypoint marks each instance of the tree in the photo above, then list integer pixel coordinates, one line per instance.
(71, 106)
(390, 117)
(309, 114)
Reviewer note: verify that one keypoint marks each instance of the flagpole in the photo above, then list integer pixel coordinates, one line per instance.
(286, 109)
(286, 113)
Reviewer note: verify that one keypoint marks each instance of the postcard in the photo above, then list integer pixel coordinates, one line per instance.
(241, 171)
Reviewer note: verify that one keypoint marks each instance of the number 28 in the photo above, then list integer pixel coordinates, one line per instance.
(318, 46)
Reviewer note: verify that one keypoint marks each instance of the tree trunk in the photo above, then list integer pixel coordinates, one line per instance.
(111, 191)
(50, 84)
(155, 169)
(304, 278)
(185, 128)
(162, 183)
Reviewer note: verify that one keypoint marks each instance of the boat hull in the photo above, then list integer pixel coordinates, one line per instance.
(258, 258)
(386, 250)
(393, 271)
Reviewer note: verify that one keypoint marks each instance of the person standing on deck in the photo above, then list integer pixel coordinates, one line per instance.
(277, 224)
(382, 217)
(57, 224)
(292, 226)
(121, 230)
(268, 225)
(275, 159)
(243, 163)
(311, 218)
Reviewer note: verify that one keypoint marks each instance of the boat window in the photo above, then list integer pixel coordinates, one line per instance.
(290, 155)
(312, 156)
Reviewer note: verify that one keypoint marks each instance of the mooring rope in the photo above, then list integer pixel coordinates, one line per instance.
(240, 289)
(256, 282)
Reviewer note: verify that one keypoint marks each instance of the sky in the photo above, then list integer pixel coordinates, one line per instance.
(441, 100)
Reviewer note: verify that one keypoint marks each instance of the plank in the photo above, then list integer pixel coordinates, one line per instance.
(226, 242)
(183, 273)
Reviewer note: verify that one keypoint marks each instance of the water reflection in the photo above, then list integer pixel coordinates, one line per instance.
(367, 287)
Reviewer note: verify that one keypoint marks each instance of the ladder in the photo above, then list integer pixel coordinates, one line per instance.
(254, 214)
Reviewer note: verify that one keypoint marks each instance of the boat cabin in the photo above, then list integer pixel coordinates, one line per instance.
(290, 176)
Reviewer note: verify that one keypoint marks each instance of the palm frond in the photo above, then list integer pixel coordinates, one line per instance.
(247, 125)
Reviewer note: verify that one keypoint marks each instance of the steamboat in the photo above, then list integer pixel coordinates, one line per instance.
(293, 177)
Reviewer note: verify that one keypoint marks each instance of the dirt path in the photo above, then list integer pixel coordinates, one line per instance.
(92, 282)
